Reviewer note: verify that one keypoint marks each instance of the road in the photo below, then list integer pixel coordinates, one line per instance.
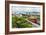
(34, 24)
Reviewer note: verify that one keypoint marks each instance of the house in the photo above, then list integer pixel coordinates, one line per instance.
(18, 15)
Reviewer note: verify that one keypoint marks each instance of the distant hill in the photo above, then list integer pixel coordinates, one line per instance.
(28, 13)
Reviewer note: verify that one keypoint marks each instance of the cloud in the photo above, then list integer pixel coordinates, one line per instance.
(24, 9)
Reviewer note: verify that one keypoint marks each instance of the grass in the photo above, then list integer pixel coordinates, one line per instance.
(20, 22)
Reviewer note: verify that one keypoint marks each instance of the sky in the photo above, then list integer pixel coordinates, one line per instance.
(24, 9)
